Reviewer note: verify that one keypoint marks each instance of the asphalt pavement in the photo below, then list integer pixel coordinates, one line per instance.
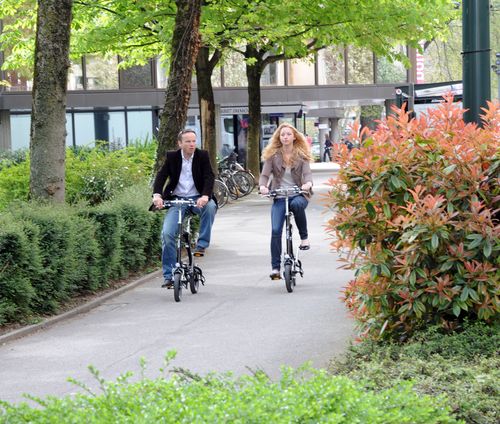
(239, 321)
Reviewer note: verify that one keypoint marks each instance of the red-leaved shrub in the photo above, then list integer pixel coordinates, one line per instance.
(416, 214)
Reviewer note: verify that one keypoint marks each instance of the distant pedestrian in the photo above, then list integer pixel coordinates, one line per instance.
(328, 149)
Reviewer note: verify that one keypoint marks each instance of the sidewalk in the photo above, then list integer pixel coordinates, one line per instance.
(325, 166)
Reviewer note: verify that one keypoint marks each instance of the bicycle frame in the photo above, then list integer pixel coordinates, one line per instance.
(184, 273)
(291, 263)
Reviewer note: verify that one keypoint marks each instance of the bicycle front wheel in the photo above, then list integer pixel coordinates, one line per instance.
(177, 287)
(289, 278)
(194, 282)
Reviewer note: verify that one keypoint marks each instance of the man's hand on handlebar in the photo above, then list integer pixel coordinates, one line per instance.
(202, 201)
(263, 190)
(158, 201)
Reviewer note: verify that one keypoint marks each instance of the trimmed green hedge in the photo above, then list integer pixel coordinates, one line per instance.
(300, 396)
(49, 253)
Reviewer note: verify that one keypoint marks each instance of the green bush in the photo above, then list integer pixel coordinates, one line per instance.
(416, 214)
(19, 258)
(462, 365)
(97, 175)
(14, 183)
(300, 396)
(50, 253)
(92, 175)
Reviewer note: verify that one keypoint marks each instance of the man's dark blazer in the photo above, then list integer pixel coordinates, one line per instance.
(170, 172)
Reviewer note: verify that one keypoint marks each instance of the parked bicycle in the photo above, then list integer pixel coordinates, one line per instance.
(184, 273)
(239, 181)
(291, 263)
(221, 192)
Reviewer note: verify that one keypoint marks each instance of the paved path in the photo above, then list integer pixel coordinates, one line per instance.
(240, 320)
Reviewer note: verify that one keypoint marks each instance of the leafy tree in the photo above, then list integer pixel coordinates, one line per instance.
(268, 32)
(48, 116)
(185, 46)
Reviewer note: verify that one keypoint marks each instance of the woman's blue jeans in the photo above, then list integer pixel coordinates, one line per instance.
(298, 205)
(170, 227)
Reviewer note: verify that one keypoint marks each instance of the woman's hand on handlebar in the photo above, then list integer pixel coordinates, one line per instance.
(307, 186)
(263, 190)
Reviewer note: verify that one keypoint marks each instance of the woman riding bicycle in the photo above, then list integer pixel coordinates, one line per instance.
(286, 158)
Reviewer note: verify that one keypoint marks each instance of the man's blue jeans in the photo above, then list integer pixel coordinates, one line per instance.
(298, 205)
(170, 227)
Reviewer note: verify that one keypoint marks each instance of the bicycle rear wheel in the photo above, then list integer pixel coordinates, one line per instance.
(289, 278)
(221, 193)
(244, 182)
(177, 287)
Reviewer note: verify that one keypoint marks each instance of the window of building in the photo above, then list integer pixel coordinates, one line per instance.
(161, 73)
(17, 82)
(69, 130)
(75, 76)
(140, 125)
(331, 66)
(217, 77)
(391, 72)
(20, 131)
(359, 66)
(117, 134)
(300, 72)
(84, 129)
(137, 77)
(442, 60)
(235, 71)
(101, 73)
(273, 75)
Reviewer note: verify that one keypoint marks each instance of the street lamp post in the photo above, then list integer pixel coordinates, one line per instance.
(475, 58)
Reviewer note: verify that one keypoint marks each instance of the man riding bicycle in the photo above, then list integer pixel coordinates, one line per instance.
(188, 174)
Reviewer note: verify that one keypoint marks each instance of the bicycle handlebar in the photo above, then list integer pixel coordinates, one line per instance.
(285, 191)
(177, 202)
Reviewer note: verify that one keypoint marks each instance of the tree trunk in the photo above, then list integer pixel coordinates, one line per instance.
(48, 115)
(204, 70)
(185, 45)
(254, 73)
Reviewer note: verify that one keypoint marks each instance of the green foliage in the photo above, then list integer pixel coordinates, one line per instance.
(19, 258)
(462, 365)
(14, 182)
(49, 253)
(304, 395)
(93, 175)
(96, 175)
(416, 212)
(9, 158)
(140, 227)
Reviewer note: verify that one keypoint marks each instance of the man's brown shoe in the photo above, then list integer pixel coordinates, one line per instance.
(199, 252)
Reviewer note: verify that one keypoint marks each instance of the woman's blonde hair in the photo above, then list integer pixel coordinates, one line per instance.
(301, 149)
